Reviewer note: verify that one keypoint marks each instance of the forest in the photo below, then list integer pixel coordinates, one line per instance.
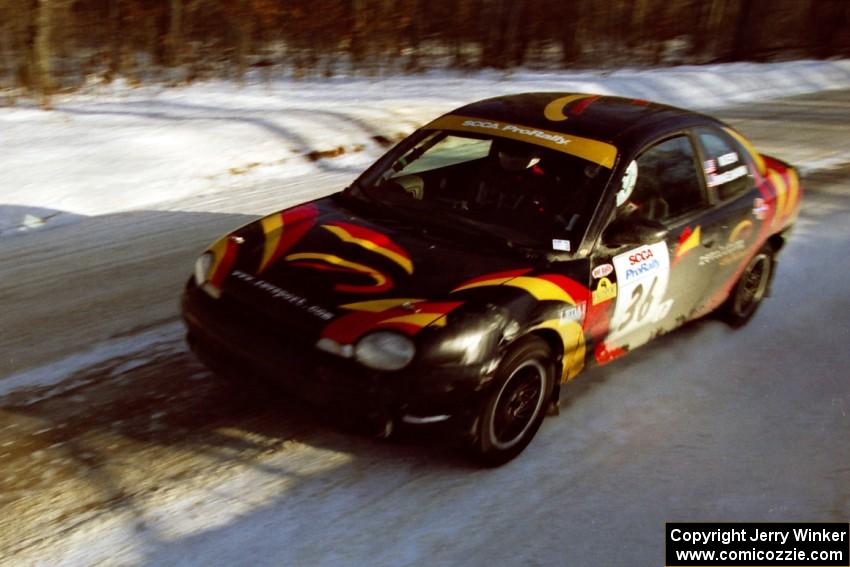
(49, 46)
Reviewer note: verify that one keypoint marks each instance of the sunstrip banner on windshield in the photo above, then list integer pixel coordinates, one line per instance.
(592, 150)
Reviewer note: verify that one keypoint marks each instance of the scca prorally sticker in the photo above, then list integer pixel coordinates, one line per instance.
(601, 271)
(642, 276)
(530, 132)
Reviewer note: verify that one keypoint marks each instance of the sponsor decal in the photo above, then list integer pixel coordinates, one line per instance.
(602, 270)
(598, 152)
(760, 208)
(531, 132)
(727, 159)
(716, 179)
(563, 245)
(285, 295)
(605, 291)
(726, 253)
(709, 166)
(734, 249)
(640, 263)
(642, 274)
(573, 312)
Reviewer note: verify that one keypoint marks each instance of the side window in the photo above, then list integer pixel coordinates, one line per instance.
(667, 182)
(725, 167)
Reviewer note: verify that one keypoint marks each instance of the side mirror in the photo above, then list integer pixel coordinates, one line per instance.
(633, 231)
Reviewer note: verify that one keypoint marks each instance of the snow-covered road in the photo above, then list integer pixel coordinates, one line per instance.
(134, 454)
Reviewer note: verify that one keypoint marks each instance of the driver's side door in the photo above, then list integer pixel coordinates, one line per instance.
(657, 275)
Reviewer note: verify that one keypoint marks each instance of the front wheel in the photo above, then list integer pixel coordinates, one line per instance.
(516, 404)
(751, 288)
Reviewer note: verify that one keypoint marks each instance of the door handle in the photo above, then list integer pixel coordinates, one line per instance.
(709, 243)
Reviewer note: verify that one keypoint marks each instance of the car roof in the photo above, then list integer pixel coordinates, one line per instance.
(599, 117)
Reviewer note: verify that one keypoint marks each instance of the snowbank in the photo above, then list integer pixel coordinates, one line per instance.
(116, 148)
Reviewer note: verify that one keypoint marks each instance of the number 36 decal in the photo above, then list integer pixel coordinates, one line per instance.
(642, 277)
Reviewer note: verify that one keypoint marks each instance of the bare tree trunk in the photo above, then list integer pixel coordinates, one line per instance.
(413, 39)
(637, 32)
(243, 38)
(41, 80)
(571, 21)
(743, 39)
(359, 21)
(713, 44)
(175, 33)
(115, 41)
(7, 65)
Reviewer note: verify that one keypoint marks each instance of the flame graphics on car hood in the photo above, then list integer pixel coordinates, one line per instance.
(371, 240)
(402, 314)
(282, 230)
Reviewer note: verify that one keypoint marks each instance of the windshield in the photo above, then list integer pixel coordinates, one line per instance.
(495, 187)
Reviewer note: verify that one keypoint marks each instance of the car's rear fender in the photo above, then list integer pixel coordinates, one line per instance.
(782, 184)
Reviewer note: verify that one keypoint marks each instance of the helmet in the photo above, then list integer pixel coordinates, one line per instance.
(516, 156)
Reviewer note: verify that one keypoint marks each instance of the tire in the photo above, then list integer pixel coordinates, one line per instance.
(750, 289)
(516, 403)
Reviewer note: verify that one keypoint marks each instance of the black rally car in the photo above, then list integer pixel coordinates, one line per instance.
(491, 256)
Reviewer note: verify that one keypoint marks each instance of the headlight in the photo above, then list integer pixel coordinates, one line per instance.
(384, 350)
(202, 267)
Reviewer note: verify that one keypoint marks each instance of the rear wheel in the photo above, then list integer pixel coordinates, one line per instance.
(751, 288)
(516, 404)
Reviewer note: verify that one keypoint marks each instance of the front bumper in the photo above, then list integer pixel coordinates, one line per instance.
(236, 340)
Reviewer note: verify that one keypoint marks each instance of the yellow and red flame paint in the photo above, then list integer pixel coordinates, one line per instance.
(555, 287)
(407, 315)
(282, 230)
(371, 240)
(332, 263)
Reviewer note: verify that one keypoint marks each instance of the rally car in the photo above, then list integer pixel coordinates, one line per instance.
(493, 255)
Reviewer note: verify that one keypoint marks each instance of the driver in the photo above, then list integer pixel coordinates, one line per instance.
(515, 182)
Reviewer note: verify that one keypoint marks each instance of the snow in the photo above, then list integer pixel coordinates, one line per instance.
(115, 148)
(53, 377)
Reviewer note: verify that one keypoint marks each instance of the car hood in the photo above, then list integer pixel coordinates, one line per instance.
(332, 272)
